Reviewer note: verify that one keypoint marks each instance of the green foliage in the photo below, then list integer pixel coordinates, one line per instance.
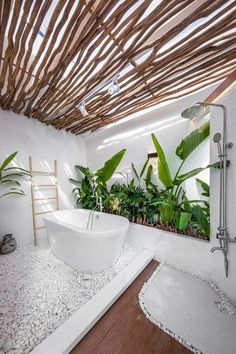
(106, 172)
(192, 141)
(163, 168)
(141, 200)
(93, 184)
(139, 176)
(184, 220)
(205, 187)
(200, 215)
(9, 175)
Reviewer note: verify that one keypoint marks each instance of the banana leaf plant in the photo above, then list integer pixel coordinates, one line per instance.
(9, 177)
(95, 182)
(201, 213)
(172, 198)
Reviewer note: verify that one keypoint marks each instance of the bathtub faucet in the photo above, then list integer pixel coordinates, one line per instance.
(90, 218)
(100, 207)
(99, 202)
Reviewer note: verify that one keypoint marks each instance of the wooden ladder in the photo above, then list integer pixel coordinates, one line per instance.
(35, 200)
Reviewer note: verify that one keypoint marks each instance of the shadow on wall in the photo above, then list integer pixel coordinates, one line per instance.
(140, 132)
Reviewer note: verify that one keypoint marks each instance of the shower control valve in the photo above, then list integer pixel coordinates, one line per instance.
(229, 145)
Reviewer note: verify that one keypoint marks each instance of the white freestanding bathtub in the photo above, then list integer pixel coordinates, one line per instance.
(83, 248)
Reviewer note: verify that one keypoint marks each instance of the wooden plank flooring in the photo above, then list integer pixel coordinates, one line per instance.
(125, 330)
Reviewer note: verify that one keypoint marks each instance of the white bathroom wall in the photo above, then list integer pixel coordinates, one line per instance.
(44, 144)
(188, 254)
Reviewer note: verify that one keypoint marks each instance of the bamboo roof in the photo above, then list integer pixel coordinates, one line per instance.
(56, 54)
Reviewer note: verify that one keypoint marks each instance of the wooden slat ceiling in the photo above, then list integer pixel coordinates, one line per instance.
(56, 53)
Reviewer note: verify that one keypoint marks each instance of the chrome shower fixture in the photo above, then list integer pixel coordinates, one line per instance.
(83, 109)
(114, 87)
(217, 139)
(196, 111)
(200, 110)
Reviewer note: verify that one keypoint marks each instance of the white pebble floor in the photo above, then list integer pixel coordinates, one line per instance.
(38, 292)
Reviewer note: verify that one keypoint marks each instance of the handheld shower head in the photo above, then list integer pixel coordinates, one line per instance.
(196, 111)
(217, 138)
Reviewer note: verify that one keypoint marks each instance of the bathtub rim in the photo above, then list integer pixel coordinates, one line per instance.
(88, 233)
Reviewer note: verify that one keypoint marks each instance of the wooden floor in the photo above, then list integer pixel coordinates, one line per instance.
(125, 330)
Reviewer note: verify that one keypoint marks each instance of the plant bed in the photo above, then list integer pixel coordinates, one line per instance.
(189, 232)
(186, 232)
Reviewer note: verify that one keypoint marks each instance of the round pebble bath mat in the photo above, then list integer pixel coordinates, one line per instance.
(193, 311)
(38, 292)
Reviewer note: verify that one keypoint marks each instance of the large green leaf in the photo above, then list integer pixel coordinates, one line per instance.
(106, 172)
(85, 170)
(149, 175)
(204, 186)
(7, 161)
(163, 168)
(135, 171)
(189, 174)
(191, 142)
(143, 169)
(184, 220)
(201, 218)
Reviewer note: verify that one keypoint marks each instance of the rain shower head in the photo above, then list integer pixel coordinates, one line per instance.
(217, 138)
(196, 111)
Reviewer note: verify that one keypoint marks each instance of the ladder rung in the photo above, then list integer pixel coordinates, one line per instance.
(40, 227)
(43, 173)
(44, 212)
(44, 185)
(36, 199)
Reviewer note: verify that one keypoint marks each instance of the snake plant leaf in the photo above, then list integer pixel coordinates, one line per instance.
(163, 168)
(106, 172)
(192, 141)
(149, 175)
(184, 220)
(143, 169)
(135, 171)
(204, 186)
(132, 183)
(7, 161)
(85, 170)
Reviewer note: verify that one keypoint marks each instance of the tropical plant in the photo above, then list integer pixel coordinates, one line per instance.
(95, 184)
(201, 213)
(173, 199)
(139, 175)
(141, 200)
(9, 176)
